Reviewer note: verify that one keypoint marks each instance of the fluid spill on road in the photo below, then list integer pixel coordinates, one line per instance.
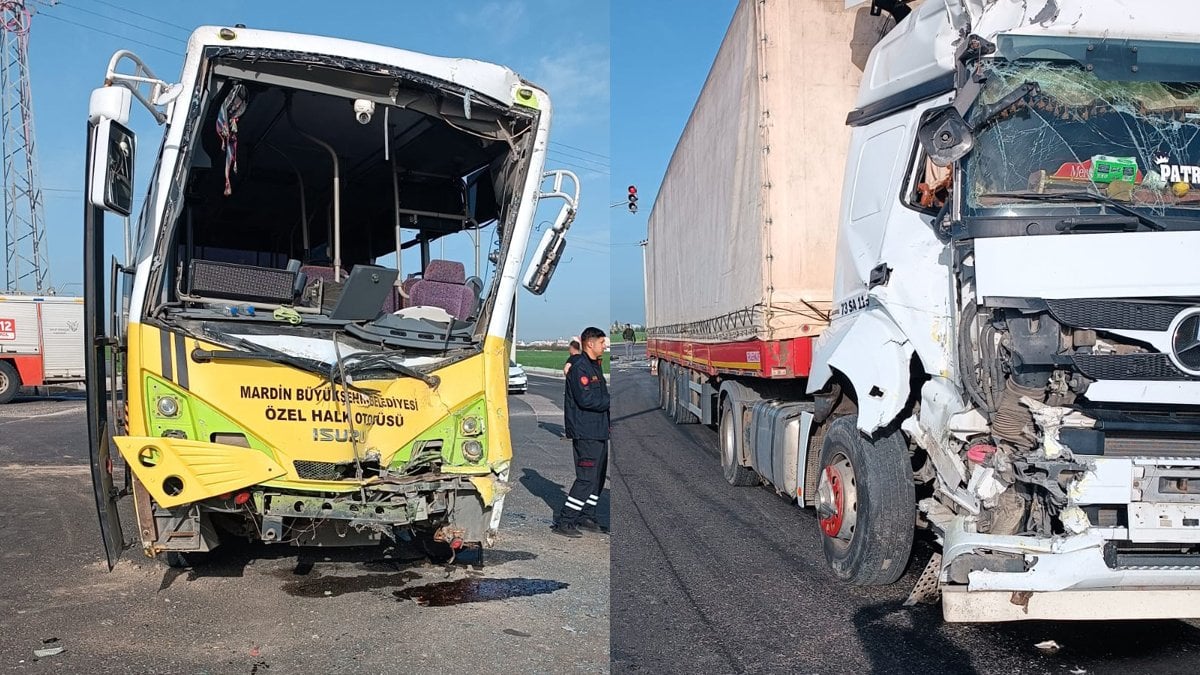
(325, 587)
(462, 591)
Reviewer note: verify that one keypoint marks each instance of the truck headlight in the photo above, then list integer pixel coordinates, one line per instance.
(470, 425)
(168, 406)
(472, 451)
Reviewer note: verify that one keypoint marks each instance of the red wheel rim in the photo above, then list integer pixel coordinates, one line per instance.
(832, 524)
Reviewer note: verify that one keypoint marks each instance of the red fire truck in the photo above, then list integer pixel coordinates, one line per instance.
(41, 342)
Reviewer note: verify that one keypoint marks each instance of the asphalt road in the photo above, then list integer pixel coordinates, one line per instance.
(539, 603)
(711, 578)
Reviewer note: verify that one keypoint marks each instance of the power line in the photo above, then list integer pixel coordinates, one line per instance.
(145, 16)
(578, 157)
(590, 167)
(62, 3)
(585, 151)
(102, 32)
(577, 166)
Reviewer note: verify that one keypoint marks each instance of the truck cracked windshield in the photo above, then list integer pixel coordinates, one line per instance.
(311, 340)
(1086, 141)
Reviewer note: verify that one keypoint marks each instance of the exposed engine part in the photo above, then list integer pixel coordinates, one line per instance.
(1013, 422)
(1047, 484)
(1034, 343)
(1005, 517)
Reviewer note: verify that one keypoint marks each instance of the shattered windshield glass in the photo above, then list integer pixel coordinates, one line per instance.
(1082, 140)
(317, 223)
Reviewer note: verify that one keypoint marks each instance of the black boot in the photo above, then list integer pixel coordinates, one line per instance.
(589, 523)
(566, 529)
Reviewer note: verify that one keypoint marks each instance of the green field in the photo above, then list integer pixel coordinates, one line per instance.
(547, 358)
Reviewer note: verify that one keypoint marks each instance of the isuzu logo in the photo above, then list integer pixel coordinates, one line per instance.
(1185, 341)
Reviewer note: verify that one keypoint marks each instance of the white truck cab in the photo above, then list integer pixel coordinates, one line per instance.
(1016, 251)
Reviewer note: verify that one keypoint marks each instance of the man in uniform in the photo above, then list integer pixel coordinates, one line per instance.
(586, 419)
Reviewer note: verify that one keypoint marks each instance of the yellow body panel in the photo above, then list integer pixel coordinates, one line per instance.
(203, 470)
(300, 416)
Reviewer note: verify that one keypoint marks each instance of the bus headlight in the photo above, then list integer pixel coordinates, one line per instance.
(472, 451)
(470, 426)
(168, 406)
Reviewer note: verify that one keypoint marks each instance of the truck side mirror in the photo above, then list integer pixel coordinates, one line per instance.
(945, 136)
(111, 164)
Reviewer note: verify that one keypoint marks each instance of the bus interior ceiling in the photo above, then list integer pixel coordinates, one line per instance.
(446, 157)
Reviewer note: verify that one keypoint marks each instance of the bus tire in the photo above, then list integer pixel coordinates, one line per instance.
(10, 382)
(735, 474)
(865, 504)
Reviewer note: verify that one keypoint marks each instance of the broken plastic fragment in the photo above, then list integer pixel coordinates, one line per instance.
(1048, 646)
(1050, 419)
(52, 651)
(1074, 520)
(984, 485)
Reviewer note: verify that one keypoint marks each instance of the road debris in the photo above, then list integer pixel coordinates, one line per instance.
(51, 651)
(1048, 646)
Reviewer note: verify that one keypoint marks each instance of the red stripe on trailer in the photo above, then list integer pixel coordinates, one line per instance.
(777, 359)
(29, 368)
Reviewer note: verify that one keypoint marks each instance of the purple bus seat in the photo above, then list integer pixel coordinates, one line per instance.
(443, 285)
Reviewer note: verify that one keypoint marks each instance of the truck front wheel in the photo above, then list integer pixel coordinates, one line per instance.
(9, 382)
(865, 504)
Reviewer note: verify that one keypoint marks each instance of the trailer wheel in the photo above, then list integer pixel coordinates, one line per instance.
(865, 503)
(672, 392)
(10, 382)
(662, 386)
(735, 473)
(681, 383)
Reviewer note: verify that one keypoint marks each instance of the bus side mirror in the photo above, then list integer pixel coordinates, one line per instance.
(549, 252)
(545, 260)
(111, 165)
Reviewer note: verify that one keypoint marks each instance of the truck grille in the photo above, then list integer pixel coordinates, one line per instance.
(1115, 314)
(1129, 367)
(1118, 446)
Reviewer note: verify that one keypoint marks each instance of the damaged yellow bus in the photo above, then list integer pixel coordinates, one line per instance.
(309, 344)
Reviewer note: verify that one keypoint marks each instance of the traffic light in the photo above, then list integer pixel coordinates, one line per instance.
(633, 199)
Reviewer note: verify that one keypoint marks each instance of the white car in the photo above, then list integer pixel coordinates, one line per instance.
(518, 381)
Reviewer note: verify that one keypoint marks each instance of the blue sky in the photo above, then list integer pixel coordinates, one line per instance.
(661, 53)
(562, 47)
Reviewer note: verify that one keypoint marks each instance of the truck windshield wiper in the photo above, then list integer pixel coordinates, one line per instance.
(1093, 197)
(990, 113)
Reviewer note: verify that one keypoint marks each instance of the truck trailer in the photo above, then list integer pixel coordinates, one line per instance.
(278, 375)
(41, 342)
(932, 268)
